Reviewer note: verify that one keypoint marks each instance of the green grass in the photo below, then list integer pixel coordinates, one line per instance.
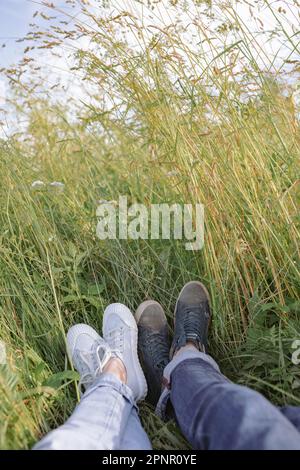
(156, 144)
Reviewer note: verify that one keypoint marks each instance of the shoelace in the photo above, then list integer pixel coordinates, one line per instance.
(98, 357)
(193, 324)
(116, 342)
(159, 349)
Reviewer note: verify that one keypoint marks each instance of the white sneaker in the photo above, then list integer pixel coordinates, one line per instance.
(89, 353)
(120, 332)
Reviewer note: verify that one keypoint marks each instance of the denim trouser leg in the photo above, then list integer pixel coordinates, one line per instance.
(214, 413)
(135, 437)
(105, 419)
(292, 413)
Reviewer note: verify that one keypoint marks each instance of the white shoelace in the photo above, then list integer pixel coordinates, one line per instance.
(116, 342)
(94, 361)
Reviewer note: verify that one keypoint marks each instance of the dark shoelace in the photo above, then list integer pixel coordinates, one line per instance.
(159, 349)
(194, 323)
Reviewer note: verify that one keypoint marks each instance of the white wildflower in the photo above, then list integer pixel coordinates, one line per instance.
(2, 353)
(172, 173)
(37, 184)
(57, 186)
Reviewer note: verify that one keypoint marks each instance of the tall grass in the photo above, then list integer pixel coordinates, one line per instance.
(166, 122)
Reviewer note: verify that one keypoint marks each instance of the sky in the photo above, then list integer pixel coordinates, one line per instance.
(16, 15)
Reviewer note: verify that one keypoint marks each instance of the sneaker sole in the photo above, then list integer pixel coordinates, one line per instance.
(126, 315)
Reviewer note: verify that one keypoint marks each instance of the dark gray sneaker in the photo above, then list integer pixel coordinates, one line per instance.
(191, 317)
(153, 345)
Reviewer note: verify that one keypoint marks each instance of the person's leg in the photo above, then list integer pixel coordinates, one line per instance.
(134, 436)
(114, 382)
(292, 413)
(212, 412)
(99, 422)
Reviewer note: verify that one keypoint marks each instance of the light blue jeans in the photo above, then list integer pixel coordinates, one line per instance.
(105, 419)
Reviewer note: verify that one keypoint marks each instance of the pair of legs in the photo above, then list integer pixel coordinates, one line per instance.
(212, 412)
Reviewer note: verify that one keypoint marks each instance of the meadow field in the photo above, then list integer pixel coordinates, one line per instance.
(167, 120)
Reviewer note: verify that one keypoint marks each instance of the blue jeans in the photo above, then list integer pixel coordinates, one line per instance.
(212, 413)
(105, 419)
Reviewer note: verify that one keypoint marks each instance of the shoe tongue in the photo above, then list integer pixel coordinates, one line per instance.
(195, 340)
(117, 355)
(192, 337)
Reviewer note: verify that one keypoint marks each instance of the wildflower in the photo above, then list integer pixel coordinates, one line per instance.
(2, 353)
(172, 173)
(58, 185)
(37, 184)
